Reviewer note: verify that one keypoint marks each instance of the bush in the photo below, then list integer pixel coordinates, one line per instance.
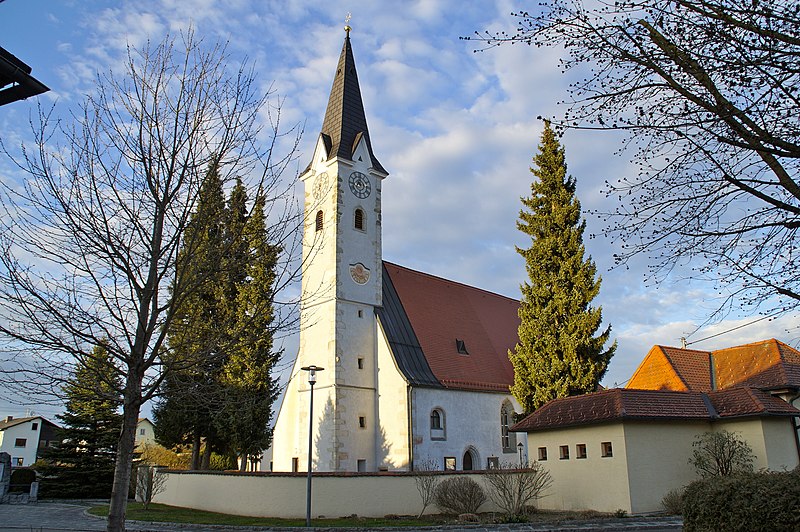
(721, 453)
(459, 495)
(745, 502)
(514, 488)
(673, 501)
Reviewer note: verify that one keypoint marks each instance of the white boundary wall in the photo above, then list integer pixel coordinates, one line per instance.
(284, 495)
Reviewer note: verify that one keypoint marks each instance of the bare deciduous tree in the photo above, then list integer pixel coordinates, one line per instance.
(91, 231)
(707, 91)
(514, 488)
(426, 479)
(721, 453)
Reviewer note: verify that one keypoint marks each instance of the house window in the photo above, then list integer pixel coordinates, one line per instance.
(362, 466)
(542, 454)
(34, 426)
(295, 464)
(563, 452)
(493, 462)
(362, 422)
(358, 221)
(17, 461)
(606, 450)
(360, 363)
(141, 432)
(507, 439)
(449, 463)
(580, 450)
(319, 224)
(20, 442)
(437, 424)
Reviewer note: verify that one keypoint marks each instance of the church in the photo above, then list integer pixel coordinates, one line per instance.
(415, 371)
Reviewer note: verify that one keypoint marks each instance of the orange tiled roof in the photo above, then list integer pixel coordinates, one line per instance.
(765, 364)
(441, 311)
(620, 404)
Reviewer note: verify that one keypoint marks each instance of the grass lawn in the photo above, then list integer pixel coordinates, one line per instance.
(172, 514)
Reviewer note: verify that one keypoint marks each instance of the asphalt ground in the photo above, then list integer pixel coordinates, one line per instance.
(72, 517)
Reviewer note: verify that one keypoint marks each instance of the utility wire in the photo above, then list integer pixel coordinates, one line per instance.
(735, 328)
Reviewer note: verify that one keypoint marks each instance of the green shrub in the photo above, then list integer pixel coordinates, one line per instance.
(673, 501)
(459, 495)
(765, 501)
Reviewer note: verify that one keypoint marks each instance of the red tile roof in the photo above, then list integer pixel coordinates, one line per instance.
(620, 404)
(765, 364)
(442, 311)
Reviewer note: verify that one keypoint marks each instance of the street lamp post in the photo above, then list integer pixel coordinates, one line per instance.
(519, 448)
(312, 380)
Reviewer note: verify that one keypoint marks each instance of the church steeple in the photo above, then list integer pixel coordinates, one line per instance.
(345, 123)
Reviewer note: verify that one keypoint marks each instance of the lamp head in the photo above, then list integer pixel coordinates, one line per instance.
(312, 373)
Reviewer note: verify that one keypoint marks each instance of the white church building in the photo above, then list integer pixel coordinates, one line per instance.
(416, 371)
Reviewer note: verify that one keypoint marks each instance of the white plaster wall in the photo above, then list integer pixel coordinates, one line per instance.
(771, 439)
(24, 430)
(265, 495)
(596, 482)
(393, 436)
(472, 420)
(658, 460)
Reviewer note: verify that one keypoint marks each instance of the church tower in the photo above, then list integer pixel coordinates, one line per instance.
(341, 284)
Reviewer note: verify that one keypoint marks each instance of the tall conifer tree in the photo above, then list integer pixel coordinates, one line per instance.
(558, 354)
(81, 462)
(190, 395)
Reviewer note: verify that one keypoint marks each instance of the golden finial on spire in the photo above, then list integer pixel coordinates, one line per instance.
(347, 27)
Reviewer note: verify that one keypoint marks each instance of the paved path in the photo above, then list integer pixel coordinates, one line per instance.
(69, 517)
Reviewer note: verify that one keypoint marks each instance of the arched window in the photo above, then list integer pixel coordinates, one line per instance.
(437, 424)
(319, 224)
(470, 459)
(358, 219)
(507, 439)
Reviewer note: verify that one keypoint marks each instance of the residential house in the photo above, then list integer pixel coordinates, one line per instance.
(145, 432)
(23, 437)
(626, 448)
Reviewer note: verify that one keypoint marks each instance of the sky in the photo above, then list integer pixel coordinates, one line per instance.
(455, 129)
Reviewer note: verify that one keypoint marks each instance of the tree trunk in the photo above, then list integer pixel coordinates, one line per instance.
(243, 465)
(206, 465)
(196, 451)
(125, 448)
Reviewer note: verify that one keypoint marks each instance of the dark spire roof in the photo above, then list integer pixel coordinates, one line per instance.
(345, 122)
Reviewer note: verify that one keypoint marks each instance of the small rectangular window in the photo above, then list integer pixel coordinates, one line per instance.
(362, 422)
(607, 450)
(449, 463)
(141, 432)
(360, 363)
(20, 442)
(542, 454)
(362, 466)
(295, 465)
(493, 462)
(360, 313)
(18, 461)
(34, 426)
(580, 450)
(563, 452)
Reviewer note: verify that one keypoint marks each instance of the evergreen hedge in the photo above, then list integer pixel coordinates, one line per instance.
(765, 501)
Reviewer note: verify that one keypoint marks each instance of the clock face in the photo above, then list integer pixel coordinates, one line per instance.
(359, 185)
(320, 185)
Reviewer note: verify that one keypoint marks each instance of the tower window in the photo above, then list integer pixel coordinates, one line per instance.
(360, 363)
(319, 224)
(358, 219)
(508, 439)
(362, 422)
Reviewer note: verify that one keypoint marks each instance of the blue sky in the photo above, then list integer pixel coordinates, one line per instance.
(455, 129)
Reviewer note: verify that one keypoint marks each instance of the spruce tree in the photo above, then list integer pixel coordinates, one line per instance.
(250, 387)
(81, 463)
(190, 395)
(558, 354)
